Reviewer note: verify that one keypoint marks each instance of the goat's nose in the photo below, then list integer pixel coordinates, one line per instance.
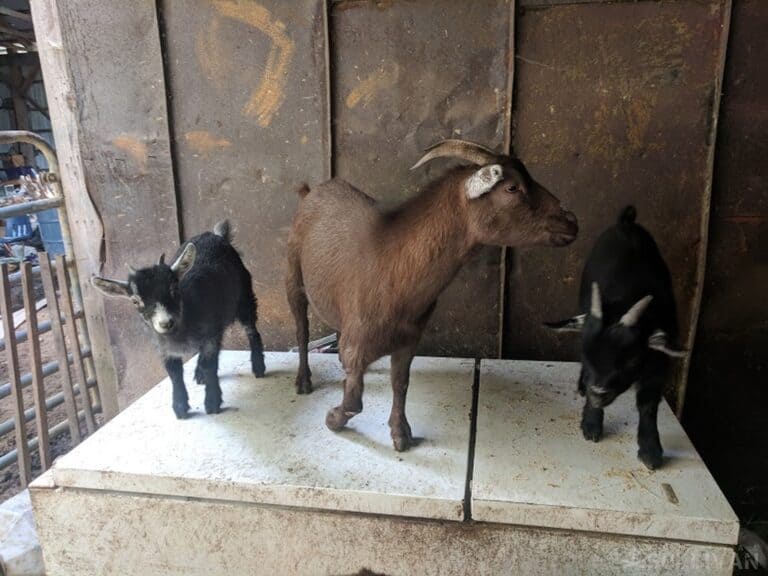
(570, 216)
(167, 324)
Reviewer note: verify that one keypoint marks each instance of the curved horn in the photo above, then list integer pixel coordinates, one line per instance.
(596, 309)
(468, 151)
(634, 313)
(162, 259)
(131, 269)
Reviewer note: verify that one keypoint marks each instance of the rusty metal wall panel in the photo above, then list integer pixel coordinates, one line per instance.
(613, 106)
(250, 123)
(118, 89)
(406, 74)
(729, 367)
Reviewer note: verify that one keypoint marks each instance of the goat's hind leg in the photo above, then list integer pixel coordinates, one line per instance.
(175, 369)
(209, 366)
(297, 300)
(247, 316)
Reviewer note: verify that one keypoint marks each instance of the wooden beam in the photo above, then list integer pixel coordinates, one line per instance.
(25, 464)
(74, 341)
(36, 368)
(15, 14)
(54, 313)
(20, 111)
(13, 33)
(30, 78)
(55, 62)
(36, 107)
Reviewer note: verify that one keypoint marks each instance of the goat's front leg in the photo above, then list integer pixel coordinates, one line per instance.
(592, 419)
(208, 363)
(400, 372)
(175, 369)
(649, 451)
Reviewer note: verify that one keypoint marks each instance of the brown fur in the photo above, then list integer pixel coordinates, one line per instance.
(375, 276)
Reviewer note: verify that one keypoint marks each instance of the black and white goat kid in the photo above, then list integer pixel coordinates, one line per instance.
(189, 304)
(628, 318)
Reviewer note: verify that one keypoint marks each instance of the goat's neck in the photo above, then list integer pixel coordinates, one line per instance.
(426, 244)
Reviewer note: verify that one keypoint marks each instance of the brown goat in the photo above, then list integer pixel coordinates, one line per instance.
(375, 276)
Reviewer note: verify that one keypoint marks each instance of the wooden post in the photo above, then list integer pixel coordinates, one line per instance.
(25, 464)
(36, 365)
(20, 109)
(61, 347)
(77, 357)
(88, 232)
(107, 146)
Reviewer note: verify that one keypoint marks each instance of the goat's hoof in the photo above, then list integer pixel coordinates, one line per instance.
(651, 458)
(303, 385)
(337, 418)
(213, 405)
(401, 438)
(181, 409)
(592, 431)
(259, 369)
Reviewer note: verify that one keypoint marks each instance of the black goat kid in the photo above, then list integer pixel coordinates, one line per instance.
(189, 304)
(628, 317)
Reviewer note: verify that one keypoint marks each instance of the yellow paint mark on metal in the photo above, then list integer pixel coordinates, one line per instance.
(203, 142)
(366, 89)
(304, 139)
(267, 98)
(638, 113)
(134, 148)
(212, 52)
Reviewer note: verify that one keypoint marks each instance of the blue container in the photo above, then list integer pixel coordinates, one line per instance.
(18, 228)
(50, 231)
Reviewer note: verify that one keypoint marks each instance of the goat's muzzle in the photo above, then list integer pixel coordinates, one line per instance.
(563, 228)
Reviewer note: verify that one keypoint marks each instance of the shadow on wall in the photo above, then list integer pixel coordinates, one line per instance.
(728, 396)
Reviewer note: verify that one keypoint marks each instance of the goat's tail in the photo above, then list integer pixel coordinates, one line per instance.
(303, 190)
(628, 215)
(224, 230)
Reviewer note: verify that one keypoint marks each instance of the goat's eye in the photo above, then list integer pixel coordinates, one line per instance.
(512, 188)
(137, 302)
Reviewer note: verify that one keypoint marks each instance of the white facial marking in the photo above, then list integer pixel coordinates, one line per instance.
(161, 319)
(482, 181)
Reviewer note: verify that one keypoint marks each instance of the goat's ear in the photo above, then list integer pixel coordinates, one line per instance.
(111, 287)
(574, 324)
(483, 180)
(185, 260)
(659, 341)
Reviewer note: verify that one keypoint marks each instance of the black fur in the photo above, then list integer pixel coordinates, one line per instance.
(201, 302)
(627, 266)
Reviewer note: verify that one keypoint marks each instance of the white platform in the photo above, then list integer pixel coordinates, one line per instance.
(533, 466)
(271, 446)
(265, 488)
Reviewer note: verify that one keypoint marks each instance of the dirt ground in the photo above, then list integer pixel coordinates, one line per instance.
(9, 477)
